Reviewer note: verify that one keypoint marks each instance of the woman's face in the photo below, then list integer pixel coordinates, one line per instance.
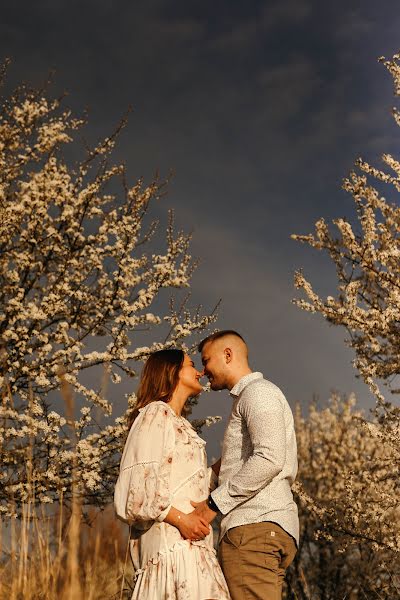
(189, 377)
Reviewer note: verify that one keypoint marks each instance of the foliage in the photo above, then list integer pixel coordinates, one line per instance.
(367, 266)
(348, 501)
(351, 467)
(78, 282)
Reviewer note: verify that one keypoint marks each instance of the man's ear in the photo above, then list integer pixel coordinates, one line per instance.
(228, 355)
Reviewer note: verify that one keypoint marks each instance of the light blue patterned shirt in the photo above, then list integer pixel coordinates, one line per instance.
(259, 458)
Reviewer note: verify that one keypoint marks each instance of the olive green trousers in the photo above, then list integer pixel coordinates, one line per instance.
(254, 559)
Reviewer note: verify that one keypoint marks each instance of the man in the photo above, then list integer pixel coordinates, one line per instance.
(259, 528)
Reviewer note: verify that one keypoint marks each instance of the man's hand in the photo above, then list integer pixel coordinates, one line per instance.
(193, 527)
(203, 511)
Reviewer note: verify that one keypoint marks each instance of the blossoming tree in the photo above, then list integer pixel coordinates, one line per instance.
(78, 280)
(367, 304)
(348, 507)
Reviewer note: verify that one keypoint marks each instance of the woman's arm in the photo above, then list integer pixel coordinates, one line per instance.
(142, 492)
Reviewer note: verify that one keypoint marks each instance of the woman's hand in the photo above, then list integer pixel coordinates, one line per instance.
(192, 527)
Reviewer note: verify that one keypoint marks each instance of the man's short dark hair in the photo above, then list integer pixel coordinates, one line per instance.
(218, 335)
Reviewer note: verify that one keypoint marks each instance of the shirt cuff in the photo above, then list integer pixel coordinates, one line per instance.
(164, 513)
(222, 500)
(218, 501)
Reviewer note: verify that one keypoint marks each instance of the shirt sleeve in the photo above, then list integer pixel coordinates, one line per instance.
(262, 411)
(142, 492)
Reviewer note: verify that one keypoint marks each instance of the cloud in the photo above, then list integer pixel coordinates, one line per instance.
(286, 12)
(260, 108)
(250, 30)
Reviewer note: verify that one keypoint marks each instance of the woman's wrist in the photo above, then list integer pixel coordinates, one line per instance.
(175, 517)
(180, 519)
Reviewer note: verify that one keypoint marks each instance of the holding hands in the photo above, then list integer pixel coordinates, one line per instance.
(193, 527)
(203, 511)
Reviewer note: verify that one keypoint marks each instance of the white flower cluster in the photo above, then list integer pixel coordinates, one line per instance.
(348, 492)
(74, 272)
(364, 495)
(198, 424)
(367, 263)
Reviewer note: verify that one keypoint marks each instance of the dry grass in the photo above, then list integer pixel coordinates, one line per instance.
(65, 554)
(48, 557)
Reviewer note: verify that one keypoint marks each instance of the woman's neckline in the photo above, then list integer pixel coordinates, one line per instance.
(170, 408)
(187, 424)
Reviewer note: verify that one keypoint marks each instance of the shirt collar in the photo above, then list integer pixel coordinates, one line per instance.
(243, 382)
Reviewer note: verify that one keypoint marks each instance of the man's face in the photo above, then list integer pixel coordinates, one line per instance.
(215, 367)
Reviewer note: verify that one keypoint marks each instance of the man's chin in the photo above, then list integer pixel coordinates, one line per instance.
(216, 387)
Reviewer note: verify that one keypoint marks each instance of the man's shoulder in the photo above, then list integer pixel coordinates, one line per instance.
(260, 395)
(262, 387)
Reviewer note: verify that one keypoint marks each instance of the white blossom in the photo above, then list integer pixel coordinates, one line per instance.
(347, 490)
(78, 284)
(359, 460)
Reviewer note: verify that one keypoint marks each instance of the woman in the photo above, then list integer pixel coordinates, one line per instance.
(163, 468)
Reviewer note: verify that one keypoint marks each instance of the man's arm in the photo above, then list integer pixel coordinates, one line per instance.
(262, 410)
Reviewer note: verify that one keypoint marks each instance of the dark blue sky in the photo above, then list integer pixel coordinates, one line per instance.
(260, 109)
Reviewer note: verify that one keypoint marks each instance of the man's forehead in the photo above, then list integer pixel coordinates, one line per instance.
(205, 349)
(209, 347)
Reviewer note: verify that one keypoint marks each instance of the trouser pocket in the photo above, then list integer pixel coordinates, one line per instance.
(234, 536)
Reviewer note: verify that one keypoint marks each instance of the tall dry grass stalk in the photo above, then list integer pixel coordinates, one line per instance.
(97, 566)
(66, 552)
(73, 588)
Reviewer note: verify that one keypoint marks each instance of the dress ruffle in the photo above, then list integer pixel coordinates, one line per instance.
(173, 566)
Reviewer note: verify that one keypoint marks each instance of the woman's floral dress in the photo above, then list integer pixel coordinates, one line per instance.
(164, 464)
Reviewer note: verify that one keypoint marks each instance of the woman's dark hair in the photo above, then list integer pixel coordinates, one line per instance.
(159, 379)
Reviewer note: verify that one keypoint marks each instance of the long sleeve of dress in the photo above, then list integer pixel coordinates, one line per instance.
(142, 493)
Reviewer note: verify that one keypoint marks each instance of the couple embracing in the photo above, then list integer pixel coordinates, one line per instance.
(169, 497)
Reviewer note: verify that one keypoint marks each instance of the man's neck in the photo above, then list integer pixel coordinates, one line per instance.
(238, 376)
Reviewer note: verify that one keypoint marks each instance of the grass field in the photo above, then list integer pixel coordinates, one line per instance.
(58, 556)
